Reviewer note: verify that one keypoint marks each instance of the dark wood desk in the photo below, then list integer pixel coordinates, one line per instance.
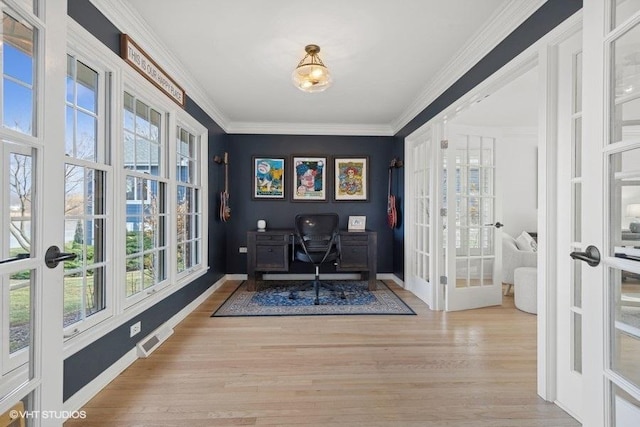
(270, 251)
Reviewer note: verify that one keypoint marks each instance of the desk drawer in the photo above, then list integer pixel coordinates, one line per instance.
(355, 257)
(354, 239)
(272, 237)
(272, 257)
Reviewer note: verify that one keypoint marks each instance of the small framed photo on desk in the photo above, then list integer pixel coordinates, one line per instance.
(357, 223)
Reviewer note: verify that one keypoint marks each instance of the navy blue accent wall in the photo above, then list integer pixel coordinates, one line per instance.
(85, 365)
(280, 214)
(398, 191)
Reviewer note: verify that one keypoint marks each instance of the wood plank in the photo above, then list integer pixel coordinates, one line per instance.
(468, 368)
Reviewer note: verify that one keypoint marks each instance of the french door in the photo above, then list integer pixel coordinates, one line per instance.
(471, 236)
(419, 219)
(611, 165)
(31, 208)
(568, 287)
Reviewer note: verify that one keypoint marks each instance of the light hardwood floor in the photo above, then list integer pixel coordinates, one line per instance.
(471, 368)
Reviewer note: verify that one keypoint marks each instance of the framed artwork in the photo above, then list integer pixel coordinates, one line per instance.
(351, 178)
(268, 177)
(309, 178)
(357, 223)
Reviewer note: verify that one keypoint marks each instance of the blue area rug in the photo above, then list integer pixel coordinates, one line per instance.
(272, 299)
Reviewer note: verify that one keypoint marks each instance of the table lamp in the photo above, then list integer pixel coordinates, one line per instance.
(633, 211)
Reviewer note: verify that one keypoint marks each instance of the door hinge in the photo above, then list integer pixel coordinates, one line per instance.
(444, 144)
(443, 211)
(443, 280)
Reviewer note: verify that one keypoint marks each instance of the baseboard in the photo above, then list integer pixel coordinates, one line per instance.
(88, 392)
(235, 277)
(333, 276)
(392, 277)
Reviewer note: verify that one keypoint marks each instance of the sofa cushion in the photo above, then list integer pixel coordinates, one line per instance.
(526, 243)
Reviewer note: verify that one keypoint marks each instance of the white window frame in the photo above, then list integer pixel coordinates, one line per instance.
(184, 121)
(124, 78)
(76, 47)
(143, 94)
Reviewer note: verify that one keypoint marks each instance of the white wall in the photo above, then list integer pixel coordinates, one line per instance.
(516, 160)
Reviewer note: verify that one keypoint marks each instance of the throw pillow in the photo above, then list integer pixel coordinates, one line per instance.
(525, 242)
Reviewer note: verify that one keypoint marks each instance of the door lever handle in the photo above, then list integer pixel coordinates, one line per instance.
(54, 256)
(498, 224)
(591, 255)
(18, 257)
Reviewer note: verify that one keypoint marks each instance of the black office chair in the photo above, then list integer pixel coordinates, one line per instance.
(317, 242)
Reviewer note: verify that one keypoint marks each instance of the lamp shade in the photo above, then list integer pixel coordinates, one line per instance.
(311, 75)
(633, 210)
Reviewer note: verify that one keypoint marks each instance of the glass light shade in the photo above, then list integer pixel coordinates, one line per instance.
(311, 75)
(312, 78)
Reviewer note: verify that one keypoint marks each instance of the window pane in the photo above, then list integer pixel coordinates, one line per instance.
(577, 342)
(87, 88)
(18, 40)
(18, 107)
(577, 147)
(577, 212)
(85, 235)
(133, 276)
(20, 285)
(625, 94)
(577, 85)
(19, 209)
(625, 331)
(625, 198)
(72, 299)
(86, 136)
(142, 139)
(623, 10)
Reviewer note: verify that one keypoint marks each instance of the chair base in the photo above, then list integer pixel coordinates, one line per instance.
(316, 284)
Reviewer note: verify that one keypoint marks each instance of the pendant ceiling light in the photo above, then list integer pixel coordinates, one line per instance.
(311, 75)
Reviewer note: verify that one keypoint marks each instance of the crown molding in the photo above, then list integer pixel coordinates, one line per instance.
(309, 129)
(507, 18)
(129, 21)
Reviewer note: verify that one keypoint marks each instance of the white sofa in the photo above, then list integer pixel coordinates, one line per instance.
(513, 258)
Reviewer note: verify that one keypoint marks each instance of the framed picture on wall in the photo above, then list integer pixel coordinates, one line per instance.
(268, 177)
(351, 178)
(309, 178)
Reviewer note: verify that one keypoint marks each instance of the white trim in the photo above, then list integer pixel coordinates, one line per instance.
(392, 277)
(85, 394)
(309, 129)
(547, 221)
(129, 21)
(235, 277)
(334, 276)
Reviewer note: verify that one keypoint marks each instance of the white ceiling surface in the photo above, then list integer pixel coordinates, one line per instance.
(514, 105)
(382, 54)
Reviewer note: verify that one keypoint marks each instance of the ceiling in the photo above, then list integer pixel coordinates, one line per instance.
(514, 105)
(382, 54)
